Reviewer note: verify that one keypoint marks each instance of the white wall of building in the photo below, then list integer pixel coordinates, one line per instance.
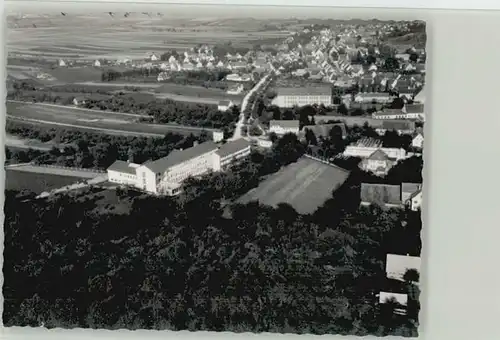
(279, 130)
(122, 178)
(220, 163)
(147, 179)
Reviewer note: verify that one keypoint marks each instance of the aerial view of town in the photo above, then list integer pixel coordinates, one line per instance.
(234, 174)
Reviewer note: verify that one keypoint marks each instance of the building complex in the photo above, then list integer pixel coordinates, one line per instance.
(165, 176)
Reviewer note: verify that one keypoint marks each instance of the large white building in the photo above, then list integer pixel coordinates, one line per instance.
(300, 96)
(231, 152)
(281, 127)
(165, 176)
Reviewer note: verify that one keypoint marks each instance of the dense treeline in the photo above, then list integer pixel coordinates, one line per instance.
(92, 150)
(189, 267)
(205, 78)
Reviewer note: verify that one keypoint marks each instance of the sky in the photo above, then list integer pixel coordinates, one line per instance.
(207, 11)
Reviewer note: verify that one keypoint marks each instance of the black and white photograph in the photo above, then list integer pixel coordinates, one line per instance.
(214, 168)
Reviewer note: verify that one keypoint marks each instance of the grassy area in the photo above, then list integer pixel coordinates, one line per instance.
(38, 183)
(305, 185)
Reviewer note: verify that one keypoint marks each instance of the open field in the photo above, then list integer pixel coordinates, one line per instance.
(305, 185)
(195, 94)
(104, 121)
(36, 182)
(102, 36)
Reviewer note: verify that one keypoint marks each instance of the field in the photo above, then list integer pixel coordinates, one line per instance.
(305, 185)
(36, 182)
(195, 94)
(20, 143)
(101, 36)
(103, 121)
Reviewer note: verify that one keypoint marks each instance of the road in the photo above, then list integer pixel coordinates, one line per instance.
(55, 170)
(244, 105)
(115, 123)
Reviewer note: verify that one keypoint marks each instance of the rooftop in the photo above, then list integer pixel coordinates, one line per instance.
(414, 108)
(285, 123)
(307, 91)
(232, 147)
(178, 157)
(124, 167)
(398, 125)
(401, 263)
(378, 155)
(380, 193)
(368, 142)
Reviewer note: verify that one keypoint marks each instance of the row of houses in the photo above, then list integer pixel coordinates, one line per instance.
(166, 175)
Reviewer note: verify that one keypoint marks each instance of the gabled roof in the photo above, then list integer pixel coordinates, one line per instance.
(122, 166)
(301, 91)
(410, 188)
(414, 108)
(389, 112)
(177, 157)
(232, 147)
(398, 125)
(378, 155)
(292, 124)
(380, 193)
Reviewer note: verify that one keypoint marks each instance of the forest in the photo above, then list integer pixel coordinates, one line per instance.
(182, 264)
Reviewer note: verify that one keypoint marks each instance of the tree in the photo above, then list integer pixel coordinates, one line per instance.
(311, 137)
(391, 64)
(342, 109)
(411, 276)
(413, 57)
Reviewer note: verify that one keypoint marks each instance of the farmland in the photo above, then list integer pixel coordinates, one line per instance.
(305, 185)
(104, 121)
(100, 36)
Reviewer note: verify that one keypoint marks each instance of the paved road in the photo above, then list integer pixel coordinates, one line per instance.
(244, 106)
(102, 121)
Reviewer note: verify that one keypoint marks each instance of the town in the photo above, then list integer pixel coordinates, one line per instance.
(300, 148)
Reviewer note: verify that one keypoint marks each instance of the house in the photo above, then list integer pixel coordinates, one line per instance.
(379, 163)
(415, 201)
(383, 195)
(418, 140)
(403, 56)
(396, 266)
(163, 76)
(365, 147)
(281, 127)
(419, 97)
(414, 111)
(240, 65)
(220, 64)
(239, 77)
(171, 59)
(123, 173)
(79, 101)
(411, 195)
(402, 127)
(62, 63)
(264, 143)
(324, 130)
(217, 136)
(225, 105)
(390, 114)
(231, 152)
(154, 57)
(235, 89)
(401, 299)
(376, 97)
(300, 96)
(97, 63)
